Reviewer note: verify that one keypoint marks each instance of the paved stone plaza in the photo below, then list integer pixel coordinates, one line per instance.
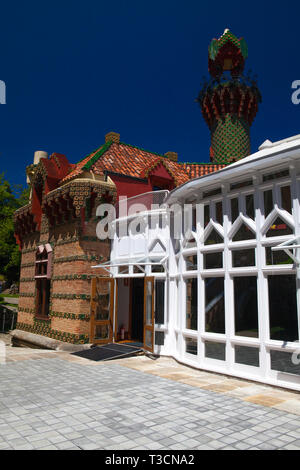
(50, 402)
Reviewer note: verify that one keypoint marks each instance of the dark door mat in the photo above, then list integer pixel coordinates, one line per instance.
(109, 351)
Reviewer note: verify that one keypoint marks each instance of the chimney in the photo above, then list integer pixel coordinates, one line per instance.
(38, 155)
(112, 137)
(172, 156)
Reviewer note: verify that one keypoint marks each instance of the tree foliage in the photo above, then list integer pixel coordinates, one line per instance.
(11, 198)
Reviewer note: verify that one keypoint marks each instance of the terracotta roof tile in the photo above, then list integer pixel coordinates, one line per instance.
(132, 161)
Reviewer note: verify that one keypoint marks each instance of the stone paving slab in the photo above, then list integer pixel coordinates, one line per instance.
(261, 394)
(56, 403)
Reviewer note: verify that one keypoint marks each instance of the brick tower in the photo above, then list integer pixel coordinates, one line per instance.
(229, 101)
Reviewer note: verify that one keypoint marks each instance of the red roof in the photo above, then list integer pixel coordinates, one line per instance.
(132, 161)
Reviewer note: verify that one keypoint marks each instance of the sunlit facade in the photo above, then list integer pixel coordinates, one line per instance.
(223, 299)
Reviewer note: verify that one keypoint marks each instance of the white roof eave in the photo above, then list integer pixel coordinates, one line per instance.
(286, 150)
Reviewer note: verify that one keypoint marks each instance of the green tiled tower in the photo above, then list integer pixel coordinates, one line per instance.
(229, 101)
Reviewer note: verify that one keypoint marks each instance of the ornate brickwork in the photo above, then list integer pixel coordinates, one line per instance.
(42, 328)
(229, 100)
(230, 139)
(75, 248)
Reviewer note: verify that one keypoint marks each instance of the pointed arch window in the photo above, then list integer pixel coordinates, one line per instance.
(279, 228)
(213, 238)
(243, 233)
(190, 240)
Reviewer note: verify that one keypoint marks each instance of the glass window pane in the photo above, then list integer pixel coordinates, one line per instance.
(213, 260)
(246, 355)
(191, 263)
(213, 192)
(268, 202)
(243, 233)
(47, 285)
(39, 297)
(219, 212)
(43, 269)
(102, 300)
(213, 238)
(234, 209)
(191, 304)
(148, 339)
(42, 297)
(206, 215)
(156, 268)
(159, 301)
(101, 332)
(214, 305)
(215, 350)
(159, 338)
(242, 258)
(276, 175)
(277, 257)
(241, 184)
(282, 361)
(191, 346)
(39, 269)
(194, 219)
(250, 206)
(286, 198)
(279, 228)
(283, 308)
(148, 303)
(245, 306)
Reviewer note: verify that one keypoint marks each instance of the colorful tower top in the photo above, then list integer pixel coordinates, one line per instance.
(229, 101)
(227, 54)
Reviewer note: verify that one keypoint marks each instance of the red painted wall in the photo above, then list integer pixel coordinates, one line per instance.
(130, 187)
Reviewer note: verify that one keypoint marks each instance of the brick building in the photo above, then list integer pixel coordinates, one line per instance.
(56, 231)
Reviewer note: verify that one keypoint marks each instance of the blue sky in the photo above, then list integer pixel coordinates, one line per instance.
(77, 70)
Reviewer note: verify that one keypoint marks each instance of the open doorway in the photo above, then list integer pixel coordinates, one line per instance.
(130, 310)
(130, 318)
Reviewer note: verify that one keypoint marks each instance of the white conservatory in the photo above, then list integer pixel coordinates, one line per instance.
(223, 294)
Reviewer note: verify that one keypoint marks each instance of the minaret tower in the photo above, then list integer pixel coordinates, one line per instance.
(229, 101)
